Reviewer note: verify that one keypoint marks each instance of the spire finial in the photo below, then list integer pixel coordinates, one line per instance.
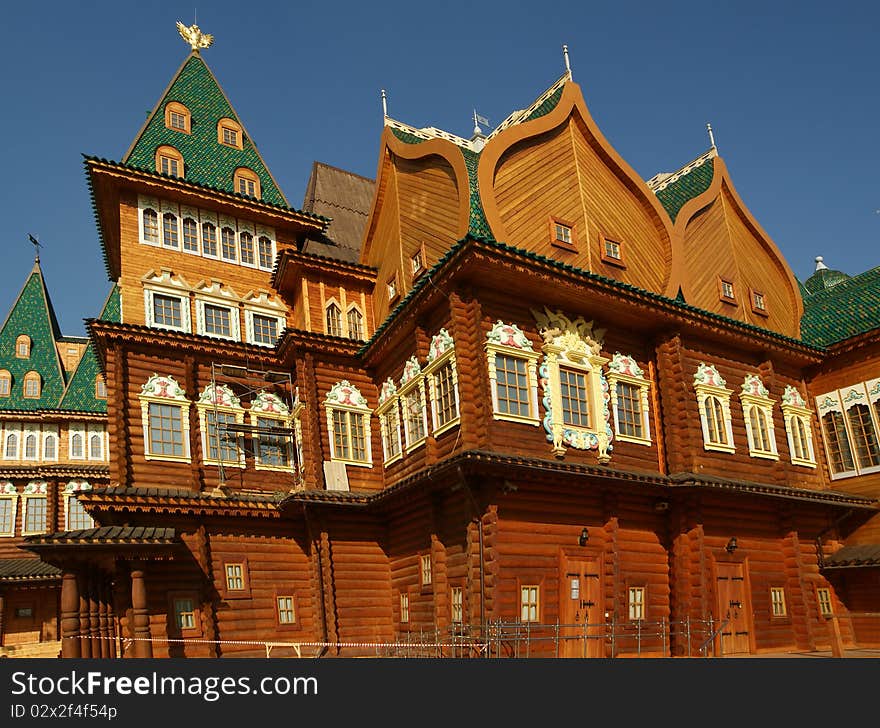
(384, 104)
(194, 36)
(37, 245)
(820, 263)
(711, 135)
(565, 57)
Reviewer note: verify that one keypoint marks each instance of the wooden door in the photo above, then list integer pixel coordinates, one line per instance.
(581, 615)
(732, 609)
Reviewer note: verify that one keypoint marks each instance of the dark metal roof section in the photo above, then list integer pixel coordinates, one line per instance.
(106, 535)
(857, 555)
(27, 569)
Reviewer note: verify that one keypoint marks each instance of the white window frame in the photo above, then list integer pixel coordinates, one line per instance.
(624, 369)
(34, 491)
(51, 432)
(410, 381)
(388, 413)
(31, 431)
(794, 409)
(96, 431)
(164, 390)
(149, 203)
(269, 234)
(9, 493)
(441, 353)
(345, 397)
(508, 340)
(247, 227)
(841, 401)
(268, 406)
(213, 293)
(77, 428)
(70, 493)
(755, 395)
(709, 383)
(12, 429)
(169, 208)
(193, 214)
(164, 285)
(220, 399)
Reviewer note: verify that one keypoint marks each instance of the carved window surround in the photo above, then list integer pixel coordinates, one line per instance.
(508, 340)
(220, 399)
(350, 405)
(413, 390)
(441, 354)
(624, 369)
(388, 413)
(798, 427)
(712, 390)
(165, 391)
(758, 411)
(268, 406)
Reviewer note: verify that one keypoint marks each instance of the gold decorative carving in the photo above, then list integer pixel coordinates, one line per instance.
(194, 36)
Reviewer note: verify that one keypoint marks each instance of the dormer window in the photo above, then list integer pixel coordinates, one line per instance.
(31, 385)
(246, 182)
(5, 382)
(612, 251)
(177, 117)
(229, 132)
(100, 388)
(391, 286)
(759, 303)
(562, 234)
(169, 161)
(726, 291)
(23, 347)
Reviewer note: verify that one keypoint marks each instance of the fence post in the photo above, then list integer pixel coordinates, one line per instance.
(584, 653)
(613, 634)
(557, 637)
(639, 637)
(663, 636)
(688, 629)
(528, 639)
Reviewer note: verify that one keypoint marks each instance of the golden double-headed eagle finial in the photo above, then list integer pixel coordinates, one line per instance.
(194, 36)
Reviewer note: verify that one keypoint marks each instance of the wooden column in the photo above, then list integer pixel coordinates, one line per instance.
(94, 612)
(140, 613)
(85, 644)
(70, 646)
(117, 385)
(2, 608)
(103, 617)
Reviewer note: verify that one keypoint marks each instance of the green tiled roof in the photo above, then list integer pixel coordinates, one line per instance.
(406, 137)
(80, 393)
(685, 188)
(477, 225)
(32, 314)
(848, 308)
(206, 161)
(546, 106)
(823, 279)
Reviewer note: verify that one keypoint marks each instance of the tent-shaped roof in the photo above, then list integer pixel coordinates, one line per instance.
(837, 306)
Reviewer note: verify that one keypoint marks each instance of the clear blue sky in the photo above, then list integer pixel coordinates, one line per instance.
(789, 87)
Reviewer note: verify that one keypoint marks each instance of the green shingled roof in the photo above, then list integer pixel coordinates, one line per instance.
(848, 308)
(674, 196)
(206, 161)
(32, 314)
(80, 393)
(547, 105)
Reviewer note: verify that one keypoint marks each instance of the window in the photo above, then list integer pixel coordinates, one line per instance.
(167, 311)
(150, 221)
(96, 447)
(177, 117)
(265, 329)
(528, 603)
(169, 161)
(169, 230)
(850, 423)
(412, 399)
(264, 249)
(50, 447)
(726, 291)
(457, 604)
(246, 182)
(286, 611)
(32, 385)
(777, 601)
(30, 446)
(217, 320)
(562, 234)
(443, 382)
(190, 235)
(577, 412)
(218, 406)
(512, 374)
(184, 614)
(35, 510)
(23, 347)
(235, 577)
(76, 446)
(5, 383)
(7, 509)
(333, 320)
(209, 239)
(426, 569)
(864, 436)
(100, 387)
(348, 421)
(165, 419)
(227, 243)
(404, 607)
(759, 303)
(636, 602)
(389, 421)
(270, 415)
(355, 319)
(758, 411)
(629, 399)
(10, 451)
(391, 288)
(798, 428)
(713, 399)
(229, 132)
(77, 518)
(246, 247)
(823, 597)
(417, 262)
(612, 251)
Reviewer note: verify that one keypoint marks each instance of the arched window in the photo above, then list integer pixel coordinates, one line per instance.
(151, 225)
(190, 235)
(264, 247)
(227, 243)
(50, 448)
(333, 320)
(76, 446)
(355, 321)
(23, 347)
(11, 451)
(246, 245)
(758, 421)
(713, 398)
(169, 230)
(96, 447)
(840, 454)
(32, 385)
(799, 439)
(714, 414)
(30, 447)
(864, 436)
(177, 117)
(209, 239)
(246, 182)
(229, 132)
(169, 161)
(5, 383)
(100, 387)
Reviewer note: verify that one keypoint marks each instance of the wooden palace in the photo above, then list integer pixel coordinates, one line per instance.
(336, 431)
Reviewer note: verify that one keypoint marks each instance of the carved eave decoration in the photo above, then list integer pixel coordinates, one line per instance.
(116, 502)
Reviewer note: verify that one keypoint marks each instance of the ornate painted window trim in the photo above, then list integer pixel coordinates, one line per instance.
(296, 415)
(164, 390)
(709, 384)
(798, 424)
(863, 394)
(76, 429)
(50, 434)
(8, 492)
(269, 406)
(412, 380)
(758, 407)
(96, 431)
(214, 293)
(510, 341)
(31, 440)
(34, 491)
(220, 399)
(388, 413)
(441, 353)
(345, 397)
(625, 369)
(166, 283)
(70, 491)
(574, 345)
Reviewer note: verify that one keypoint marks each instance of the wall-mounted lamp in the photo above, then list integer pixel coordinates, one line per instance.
(584, 537)
(731, 545)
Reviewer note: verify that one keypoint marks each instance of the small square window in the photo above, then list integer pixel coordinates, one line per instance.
(777, 601)
(562, 234)
(178, 120)
(184, 614)
(726, 291)
(230, 136)
(823, 594)
(759, 303)
(611, 251)
(392, 288)
(286, 610)
(418, 262)
(235, 577)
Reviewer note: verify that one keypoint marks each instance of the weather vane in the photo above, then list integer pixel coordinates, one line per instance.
(194, 36)
(37, 245)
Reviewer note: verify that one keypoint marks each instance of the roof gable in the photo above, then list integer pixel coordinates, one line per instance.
(849, 308)
(80, 393)
(206, 160)
(674, 190)
(32, 314)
